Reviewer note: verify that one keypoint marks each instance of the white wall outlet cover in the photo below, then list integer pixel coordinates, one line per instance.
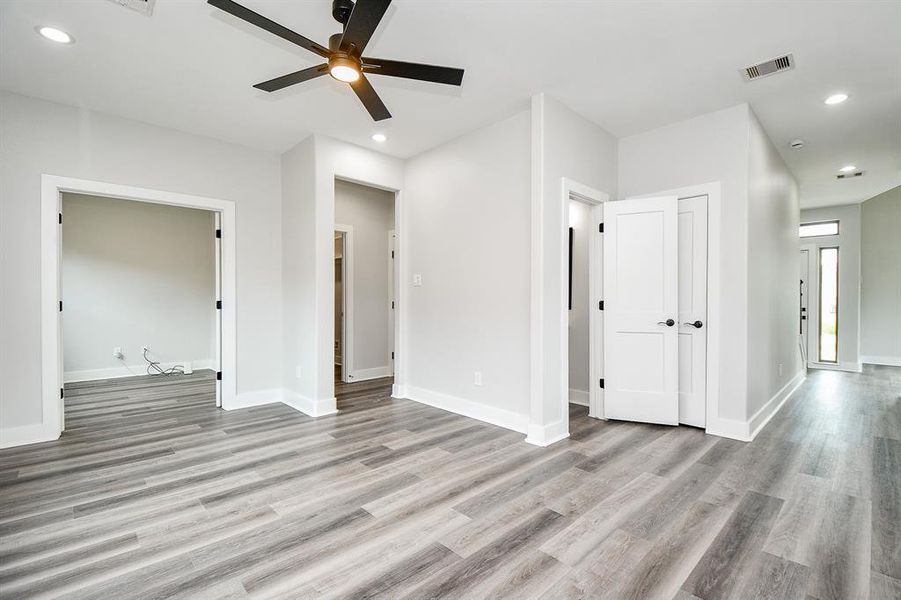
(477, 378)
(187, 367)
(417, 279)
(117, 352)
(297, 372)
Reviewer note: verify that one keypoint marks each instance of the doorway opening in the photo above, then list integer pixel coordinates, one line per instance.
(53, 306)
(365, 286)
(141, 304)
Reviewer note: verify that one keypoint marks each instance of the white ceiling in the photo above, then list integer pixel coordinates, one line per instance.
(628, 66)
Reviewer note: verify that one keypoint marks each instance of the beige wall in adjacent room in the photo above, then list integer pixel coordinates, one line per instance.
(134, 274)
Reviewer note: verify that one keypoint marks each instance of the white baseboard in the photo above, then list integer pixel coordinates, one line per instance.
(579, 397)
(26, 434)
(850, 367)
(308, 406)
(374, 373)
(889, 361)
(129, 371)
(769, 410)
(254, 398)
(468, 408)
(746, 431)
(546, 435)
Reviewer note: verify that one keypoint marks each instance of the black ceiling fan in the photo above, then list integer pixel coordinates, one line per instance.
(344, 55)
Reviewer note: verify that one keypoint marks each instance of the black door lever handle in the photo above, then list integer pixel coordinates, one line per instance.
(696, 324)
(668, 322)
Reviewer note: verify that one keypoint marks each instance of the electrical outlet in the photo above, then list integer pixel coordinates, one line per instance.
(117, 353)
(417, 279)
(297, 372)
(145, 348)
(477, 378)
(780, 369)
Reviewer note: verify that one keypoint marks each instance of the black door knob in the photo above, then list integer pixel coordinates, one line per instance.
(668, 322)
(696, 324)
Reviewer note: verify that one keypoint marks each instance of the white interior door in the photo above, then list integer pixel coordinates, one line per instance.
(693, 311)
(641, 289)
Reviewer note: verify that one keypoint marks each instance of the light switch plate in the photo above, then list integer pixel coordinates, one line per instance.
(417, 279)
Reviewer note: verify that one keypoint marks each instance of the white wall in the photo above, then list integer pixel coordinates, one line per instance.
(308, 204)
(467, 221)
(848, 240)
(371, 214)
(41, 137)
(709, 148)
(880, 249)
(133, 274)
(579, 220)
(299, 293)
(564, 144)
(774, 359)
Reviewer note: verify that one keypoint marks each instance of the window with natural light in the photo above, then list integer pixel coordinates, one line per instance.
(828, 328)
(818, 229)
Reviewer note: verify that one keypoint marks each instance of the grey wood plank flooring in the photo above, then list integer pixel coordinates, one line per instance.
(153, 492)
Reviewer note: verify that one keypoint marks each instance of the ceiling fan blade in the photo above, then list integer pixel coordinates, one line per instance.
(245, 14)
(396, 68)
(366, 93)
(292, 78)
(363, 20)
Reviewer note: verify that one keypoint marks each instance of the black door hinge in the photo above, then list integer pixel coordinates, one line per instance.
(392, 356)
(60, 218)
(218, 233)
(62, 394)
(600, 228)
(218, 304)
(600, 305)
(392, 304)
(392, 254)
(218, 375)
(60, 306)
(602, 383)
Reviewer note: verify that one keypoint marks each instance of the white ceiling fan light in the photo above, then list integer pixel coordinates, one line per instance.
(54, 35)
(379, 137)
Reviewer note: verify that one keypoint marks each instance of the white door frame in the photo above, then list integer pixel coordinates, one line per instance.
(52, 187)
(813, 303)
(573, 190)
(392, 299)
(713, 191)
(347, 299)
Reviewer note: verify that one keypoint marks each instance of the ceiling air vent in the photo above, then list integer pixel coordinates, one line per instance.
(849, 175)
(145, 7)
(770, 67)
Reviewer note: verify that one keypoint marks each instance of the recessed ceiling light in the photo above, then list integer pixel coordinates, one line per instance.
(54, 35)
(848, 168)
(379, 137)
(836, 98)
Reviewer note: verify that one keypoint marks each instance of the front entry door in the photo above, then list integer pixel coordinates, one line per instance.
(641, 289)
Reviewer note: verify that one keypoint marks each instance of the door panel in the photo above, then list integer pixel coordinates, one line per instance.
(641, 293)
(693, 310)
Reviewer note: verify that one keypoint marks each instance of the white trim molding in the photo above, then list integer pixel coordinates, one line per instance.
(139, 370)
(746, 431)
(889, 361)
(52, 187)
(580, 397)
(468, 408)
(373, 373)
(545, 435)
(299, 403)
(347, 300)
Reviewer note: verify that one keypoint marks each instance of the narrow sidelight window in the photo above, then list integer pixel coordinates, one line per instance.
(828, 326)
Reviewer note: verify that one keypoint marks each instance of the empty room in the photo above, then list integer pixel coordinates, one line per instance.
(521, 299)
